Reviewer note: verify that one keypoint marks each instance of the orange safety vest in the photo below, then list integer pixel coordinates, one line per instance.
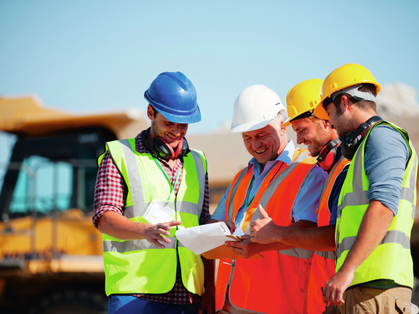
(277, 283)
(323, 264)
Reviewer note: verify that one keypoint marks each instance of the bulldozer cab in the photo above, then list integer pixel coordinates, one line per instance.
(50, 252)
(52, 173)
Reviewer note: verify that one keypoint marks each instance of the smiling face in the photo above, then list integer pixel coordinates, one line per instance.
(313, 133)
(267, 143)
(171, 132)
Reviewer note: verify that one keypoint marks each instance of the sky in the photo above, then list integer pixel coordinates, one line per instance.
(92, 56)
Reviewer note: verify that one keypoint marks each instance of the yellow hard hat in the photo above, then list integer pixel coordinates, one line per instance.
(303, 97)
(345, 76)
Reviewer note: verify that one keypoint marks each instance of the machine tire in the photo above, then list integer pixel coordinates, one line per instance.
(72, 302)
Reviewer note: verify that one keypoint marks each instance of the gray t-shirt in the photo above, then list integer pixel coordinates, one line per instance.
(386, 157)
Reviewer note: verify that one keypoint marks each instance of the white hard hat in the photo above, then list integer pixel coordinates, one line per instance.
(255, 107)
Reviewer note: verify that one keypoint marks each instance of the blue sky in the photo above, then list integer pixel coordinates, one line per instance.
(86, 56)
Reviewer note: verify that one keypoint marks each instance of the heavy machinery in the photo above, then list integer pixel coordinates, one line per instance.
(50, 252)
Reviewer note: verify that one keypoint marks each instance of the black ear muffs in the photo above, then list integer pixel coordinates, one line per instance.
(351, 140)
(163, 149)
(328, 154)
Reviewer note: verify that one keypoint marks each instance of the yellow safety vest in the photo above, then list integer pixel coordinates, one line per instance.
(391, 259)
(138, 266)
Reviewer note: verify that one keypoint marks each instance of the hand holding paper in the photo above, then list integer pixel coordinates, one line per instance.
(203, 238)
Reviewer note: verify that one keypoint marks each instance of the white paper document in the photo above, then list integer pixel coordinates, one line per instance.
(157, 212)
(204, 238)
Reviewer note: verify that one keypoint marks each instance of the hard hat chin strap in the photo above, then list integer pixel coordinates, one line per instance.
(355, 93)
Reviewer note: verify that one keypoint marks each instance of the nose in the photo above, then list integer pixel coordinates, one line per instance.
(256, 144)
(300, 139)
(176, 130)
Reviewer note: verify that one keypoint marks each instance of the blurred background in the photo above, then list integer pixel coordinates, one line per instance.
(73, 73)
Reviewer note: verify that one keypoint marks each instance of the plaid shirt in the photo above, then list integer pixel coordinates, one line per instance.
(110, 195)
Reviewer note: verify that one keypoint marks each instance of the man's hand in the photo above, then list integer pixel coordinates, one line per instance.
(207, 303)
(261, 230)
(154, 233)
(244, 248)
(230, 225)
(336, 286)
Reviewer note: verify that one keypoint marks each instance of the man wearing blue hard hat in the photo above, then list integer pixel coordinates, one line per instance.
(147, 188)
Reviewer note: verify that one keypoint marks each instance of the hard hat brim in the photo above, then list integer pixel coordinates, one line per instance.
(287, 122)
(250, 126)
(320, 113)
(195, 117)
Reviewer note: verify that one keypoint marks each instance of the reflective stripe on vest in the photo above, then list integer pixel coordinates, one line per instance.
(323, 264)
(393, 253)
(131, 266)
(262, 285)
(323, 211)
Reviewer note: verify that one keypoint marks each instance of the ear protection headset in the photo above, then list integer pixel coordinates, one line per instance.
(351, 140)
(328, 154)
(163, 149)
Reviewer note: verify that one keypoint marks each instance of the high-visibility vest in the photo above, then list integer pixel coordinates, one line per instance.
(138, 266)
(323, 264)
(277, 283)
(391, 259)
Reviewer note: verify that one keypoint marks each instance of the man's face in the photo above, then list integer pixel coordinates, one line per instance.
(313, 135)
(337, 120)
(267, 143)
(171, 132)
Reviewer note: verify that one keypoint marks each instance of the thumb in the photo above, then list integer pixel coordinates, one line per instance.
(174, 223)
(263, 212)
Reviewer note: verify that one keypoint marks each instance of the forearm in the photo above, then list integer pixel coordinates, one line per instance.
(120, 227)
(374, 226)
(274, 246)
(317, 238)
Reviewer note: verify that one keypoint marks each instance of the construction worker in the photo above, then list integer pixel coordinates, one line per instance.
(322, 142)
(285, 181)
(146, 188)
(374, 270)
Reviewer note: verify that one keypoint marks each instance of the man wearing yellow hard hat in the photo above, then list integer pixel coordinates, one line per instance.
(374, 268)
(321, 141)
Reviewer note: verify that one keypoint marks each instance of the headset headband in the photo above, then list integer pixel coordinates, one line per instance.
(355, 93)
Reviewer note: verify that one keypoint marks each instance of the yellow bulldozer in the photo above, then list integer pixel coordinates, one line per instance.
(50, 253)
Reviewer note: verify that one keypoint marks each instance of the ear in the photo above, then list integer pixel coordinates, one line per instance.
(150, 113)
(326, 124)
(345, 103)
(283, 130)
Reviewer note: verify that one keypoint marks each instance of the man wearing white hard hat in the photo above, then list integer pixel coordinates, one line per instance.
(287, 183)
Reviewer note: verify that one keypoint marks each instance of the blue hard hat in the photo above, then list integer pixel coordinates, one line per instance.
(173, 95)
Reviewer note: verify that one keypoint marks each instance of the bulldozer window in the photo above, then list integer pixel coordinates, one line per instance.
(43, 186)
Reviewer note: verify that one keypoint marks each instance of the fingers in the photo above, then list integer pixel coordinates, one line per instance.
(173, 223)
(332, 295)
(263, 212)
(164, 228)
(230, 225)
(236, 245)
(339, 298)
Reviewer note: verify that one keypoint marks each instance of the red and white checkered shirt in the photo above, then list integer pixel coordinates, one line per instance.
(110, 195)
